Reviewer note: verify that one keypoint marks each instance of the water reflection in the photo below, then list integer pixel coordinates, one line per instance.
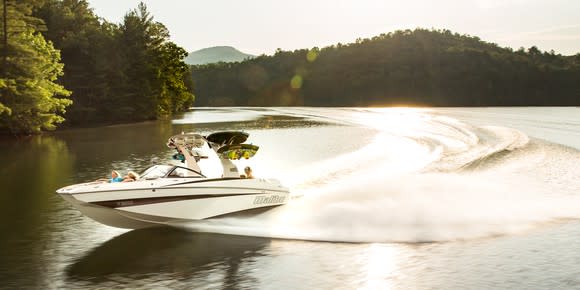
(159, 254)
(31, 170)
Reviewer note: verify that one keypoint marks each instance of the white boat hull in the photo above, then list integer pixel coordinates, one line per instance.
(169, 201)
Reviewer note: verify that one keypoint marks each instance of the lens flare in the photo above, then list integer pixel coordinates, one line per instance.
(296, 82)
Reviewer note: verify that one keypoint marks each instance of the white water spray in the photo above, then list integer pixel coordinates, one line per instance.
(409, 185)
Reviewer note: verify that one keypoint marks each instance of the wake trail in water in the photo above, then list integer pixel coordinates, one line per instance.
(429, 178)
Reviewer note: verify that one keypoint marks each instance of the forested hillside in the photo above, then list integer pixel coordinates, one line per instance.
(420, 67)
(60, 63)
(111, 72)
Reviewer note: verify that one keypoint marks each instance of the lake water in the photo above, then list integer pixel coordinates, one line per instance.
(383, 198)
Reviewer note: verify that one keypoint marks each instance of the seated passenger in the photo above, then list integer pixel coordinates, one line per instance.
(131, 176)
(115, 177)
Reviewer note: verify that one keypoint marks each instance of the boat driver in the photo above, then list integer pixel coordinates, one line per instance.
(248, 172)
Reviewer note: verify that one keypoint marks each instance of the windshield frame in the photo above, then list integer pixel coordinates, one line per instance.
(198, 174)
(165, 171)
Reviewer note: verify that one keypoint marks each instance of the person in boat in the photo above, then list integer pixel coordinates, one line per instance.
(179, 156)
(115, 177)
(131, 176)
(248, 172)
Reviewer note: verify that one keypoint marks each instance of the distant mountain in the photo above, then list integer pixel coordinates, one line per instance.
(216, 54)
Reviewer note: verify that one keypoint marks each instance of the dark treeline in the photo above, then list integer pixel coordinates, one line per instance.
(421, 67)
(111, 72)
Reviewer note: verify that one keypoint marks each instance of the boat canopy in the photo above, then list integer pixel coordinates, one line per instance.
(227, 138)
(227, 144)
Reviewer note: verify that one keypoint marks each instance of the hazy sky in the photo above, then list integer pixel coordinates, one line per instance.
(261, 26)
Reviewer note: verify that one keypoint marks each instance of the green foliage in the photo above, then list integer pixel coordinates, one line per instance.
(154, 67)
(118, 73)
(175, 93)
(3, 108)
(423, 67)
(30, 67)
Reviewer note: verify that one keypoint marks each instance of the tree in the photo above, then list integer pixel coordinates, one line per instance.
(29, 96)
(173, 73)
(153, 67)
(117, 72)
(88, 49)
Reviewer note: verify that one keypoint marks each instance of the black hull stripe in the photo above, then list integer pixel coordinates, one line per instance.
(160, 199)
(175, 186)
(153, 189)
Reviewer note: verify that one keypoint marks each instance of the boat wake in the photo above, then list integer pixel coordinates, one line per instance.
(423, 178)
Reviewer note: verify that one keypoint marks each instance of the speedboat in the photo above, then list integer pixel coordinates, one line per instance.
(179, 193)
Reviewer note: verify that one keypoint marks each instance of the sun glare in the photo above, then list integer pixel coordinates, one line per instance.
(381, 267)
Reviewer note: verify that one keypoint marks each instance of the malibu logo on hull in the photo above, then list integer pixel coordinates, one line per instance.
(272, 199)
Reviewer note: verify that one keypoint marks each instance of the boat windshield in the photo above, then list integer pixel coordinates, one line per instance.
(179, 171)
(160, 171)
(156, 171)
